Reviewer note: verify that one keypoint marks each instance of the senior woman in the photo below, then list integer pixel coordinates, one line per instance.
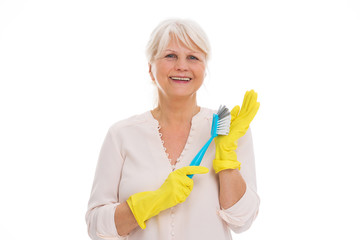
(141, 189)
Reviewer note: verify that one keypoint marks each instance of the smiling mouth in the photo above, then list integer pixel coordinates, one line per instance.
(180, 79)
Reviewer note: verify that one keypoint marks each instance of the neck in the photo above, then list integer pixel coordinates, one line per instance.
(176, 112)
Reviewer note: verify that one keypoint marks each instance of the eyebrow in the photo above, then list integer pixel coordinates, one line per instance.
(171, 50)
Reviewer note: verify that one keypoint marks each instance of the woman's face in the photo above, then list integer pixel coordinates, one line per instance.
(179, 71)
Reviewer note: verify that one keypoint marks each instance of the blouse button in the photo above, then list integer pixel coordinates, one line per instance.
(172, 233)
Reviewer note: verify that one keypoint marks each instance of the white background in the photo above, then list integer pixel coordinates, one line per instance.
(71, 68)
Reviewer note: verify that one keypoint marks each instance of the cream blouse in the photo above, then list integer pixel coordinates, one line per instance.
(133, 159)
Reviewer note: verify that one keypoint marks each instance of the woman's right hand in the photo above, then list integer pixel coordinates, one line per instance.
(173, 191)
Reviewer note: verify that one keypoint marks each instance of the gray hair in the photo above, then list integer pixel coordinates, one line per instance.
(186, 31)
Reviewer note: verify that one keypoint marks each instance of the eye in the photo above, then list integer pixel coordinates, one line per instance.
(193, 58)
(170, 56)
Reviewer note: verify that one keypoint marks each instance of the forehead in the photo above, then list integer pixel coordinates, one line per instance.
(176, 45)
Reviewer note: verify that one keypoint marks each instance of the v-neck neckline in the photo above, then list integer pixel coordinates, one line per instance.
(157, 127)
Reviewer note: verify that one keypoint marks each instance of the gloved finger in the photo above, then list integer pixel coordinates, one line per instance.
(252, 99)
(243, 121)
(235, 112)
(186, 182)
(253, 109)
(188, 185)
(250, 104)
(185, 192)
(193, 170)
(245, 117)
(245, 100)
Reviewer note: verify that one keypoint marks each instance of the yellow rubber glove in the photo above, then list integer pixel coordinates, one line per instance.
(225, 155)
(174, 190)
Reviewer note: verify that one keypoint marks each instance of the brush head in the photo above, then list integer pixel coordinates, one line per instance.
(223, 126)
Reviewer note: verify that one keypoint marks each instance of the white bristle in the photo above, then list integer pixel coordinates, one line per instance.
(223, 127)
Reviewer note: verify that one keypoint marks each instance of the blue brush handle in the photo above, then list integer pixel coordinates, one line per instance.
(199, 156)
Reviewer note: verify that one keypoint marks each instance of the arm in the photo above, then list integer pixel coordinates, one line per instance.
(104, 197)
(125, 221)
(239, 200)
(238, 197)
(232, 187)
(106, 218)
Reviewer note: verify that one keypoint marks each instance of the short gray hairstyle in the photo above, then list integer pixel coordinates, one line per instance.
(186, 31)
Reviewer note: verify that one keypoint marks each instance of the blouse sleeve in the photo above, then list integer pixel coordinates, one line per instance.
(104, 194)
(240, 216)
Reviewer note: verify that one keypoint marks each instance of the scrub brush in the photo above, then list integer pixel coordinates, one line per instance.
(220, 126)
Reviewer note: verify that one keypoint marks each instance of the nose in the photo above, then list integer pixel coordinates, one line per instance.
(181, 64)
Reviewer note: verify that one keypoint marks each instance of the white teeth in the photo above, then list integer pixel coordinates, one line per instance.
(181, 79)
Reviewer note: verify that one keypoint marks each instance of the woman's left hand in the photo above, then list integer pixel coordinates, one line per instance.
(225, 155)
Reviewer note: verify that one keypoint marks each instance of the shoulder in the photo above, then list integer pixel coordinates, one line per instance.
(207, 113)
(131, 122)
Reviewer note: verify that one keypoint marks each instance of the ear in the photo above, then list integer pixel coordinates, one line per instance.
(150, 72)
